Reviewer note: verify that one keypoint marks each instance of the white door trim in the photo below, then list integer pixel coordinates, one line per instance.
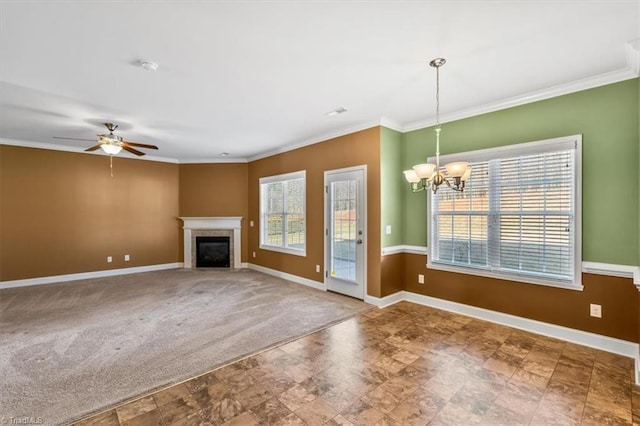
(362, 168)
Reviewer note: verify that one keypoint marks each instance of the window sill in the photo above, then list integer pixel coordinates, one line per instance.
(577, 286)
(302, 253)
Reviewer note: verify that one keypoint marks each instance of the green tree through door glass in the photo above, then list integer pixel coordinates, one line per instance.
(344, 232)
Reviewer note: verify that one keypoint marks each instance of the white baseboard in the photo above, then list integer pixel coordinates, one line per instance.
(87, 275)
(289, 277)
(609, 344)
(597, 341)
(383, 302)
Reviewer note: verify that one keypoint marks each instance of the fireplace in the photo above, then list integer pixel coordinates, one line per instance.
(212, 252)
(217, 234)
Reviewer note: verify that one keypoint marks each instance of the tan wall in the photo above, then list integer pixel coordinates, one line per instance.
(568, 308)
(62, 213)
(215, 190)
(392, 274)
(346, 151)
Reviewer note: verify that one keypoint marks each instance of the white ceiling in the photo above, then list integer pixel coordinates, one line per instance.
(255, 77)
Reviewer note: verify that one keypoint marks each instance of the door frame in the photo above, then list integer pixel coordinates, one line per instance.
(363, 168)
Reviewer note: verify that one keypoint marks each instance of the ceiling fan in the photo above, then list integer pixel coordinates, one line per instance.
(113, 144)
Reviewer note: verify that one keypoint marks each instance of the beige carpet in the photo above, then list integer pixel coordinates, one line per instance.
(70, 349)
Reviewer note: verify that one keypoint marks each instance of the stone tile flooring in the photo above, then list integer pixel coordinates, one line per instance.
(403, 365)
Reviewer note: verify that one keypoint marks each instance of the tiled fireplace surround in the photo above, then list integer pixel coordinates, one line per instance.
(212, 227)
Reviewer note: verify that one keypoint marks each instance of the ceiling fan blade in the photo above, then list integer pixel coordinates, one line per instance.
(75, 139)
(93, 148)
(141, 145)
(131, 150)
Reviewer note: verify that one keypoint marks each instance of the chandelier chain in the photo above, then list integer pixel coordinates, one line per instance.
(437, 96)
(438, 129)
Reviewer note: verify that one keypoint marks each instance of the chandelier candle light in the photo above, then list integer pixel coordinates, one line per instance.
(423, 176)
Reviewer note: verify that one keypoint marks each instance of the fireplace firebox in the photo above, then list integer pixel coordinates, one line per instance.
(212, 252)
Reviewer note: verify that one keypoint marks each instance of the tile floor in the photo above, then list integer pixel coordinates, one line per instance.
(403, 365)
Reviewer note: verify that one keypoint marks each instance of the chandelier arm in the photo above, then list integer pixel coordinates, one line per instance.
(417, 187)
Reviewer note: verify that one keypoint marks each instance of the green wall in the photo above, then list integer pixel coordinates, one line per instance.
(608, 119)
(391, 187)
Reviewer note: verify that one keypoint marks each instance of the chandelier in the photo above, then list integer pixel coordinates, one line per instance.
(428, 175)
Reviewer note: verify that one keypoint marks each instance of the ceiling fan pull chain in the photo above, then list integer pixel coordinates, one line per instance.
(111, 164)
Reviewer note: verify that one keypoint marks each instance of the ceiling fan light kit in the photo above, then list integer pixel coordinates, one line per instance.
(111, 149)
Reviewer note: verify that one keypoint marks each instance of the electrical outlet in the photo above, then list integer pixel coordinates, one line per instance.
(317, 268)
(595, 310)
(388, 229)
(127, 258)
(254, 254)
(251, 223)
(109, 259)
(420, 279)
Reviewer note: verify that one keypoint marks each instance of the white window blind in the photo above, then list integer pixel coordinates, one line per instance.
(517, 217)
(282, 213)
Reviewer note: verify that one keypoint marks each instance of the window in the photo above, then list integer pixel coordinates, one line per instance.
(518, 217)
(282, 213)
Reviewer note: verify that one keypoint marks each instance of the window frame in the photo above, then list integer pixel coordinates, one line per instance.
(283, 178)
(514, 151)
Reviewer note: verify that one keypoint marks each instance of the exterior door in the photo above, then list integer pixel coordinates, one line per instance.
(345, 231)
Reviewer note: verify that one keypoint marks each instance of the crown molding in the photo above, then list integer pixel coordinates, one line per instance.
(383, 121)
(633, 56)
(316, 139)
(223, 160)
(540, 95)
(390, 124)
(41, 145)
(77, 150)
(632, 70)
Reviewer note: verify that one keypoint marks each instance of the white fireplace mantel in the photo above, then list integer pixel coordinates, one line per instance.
(214, 223)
